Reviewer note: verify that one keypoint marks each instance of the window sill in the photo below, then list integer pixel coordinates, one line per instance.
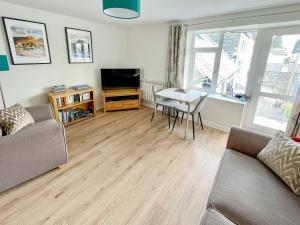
(226, 99)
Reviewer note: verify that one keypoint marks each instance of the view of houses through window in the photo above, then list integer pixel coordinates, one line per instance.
(280, 83)
(221, 61)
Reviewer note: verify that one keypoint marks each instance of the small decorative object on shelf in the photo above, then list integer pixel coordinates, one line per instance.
(81, 87)
(241, 97)
(59, 88)
(73, 106)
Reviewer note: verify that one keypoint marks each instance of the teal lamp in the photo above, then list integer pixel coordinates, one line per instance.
(3, 63)
(3, 67)
(122, 9)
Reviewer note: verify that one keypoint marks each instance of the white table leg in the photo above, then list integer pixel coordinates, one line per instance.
(187, 121)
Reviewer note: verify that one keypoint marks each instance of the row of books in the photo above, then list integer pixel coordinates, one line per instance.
(70, 115)
(64, 101)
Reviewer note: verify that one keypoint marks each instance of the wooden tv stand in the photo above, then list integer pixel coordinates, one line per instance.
(121, 99)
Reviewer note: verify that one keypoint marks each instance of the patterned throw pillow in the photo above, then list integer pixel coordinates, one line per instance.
(14, 119)
(282, 155)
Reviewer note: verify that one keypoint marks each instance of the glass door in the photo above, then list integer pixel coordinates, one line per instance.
(278, 81)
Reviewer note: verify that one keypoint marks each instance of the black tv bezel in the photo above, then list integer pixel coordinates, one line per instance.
(116, 88)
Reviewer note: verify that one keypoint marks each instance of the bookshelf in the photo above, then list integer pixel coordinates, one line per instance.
(73, 106)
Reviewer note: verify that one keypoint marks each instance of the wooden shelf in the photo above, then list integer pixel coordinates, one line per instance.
(70, 92)
(77, 120)
(75, 104)
(85, 105)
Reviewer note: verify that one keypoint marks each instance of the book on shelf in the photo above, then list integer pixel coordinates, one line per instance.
(61, 101)
(77, 98)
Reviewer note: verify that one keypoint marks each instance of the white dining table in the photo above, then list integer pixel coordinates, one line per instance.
(184, 97)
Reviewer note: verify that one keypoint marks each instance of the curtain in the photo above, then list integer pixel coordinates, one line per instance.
(176, 55)
(294, 119)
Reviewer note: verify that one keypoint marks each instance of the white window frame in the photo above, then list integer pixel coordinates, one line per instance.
(259, 63)
(218, 51)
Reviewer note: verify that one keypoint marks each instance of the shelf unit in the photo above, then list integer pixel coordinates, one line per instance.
(84, 104)
(121, 99)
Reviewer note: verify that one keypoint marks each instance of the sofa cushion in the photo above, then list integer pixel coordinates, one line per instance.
(249, 193)
(212, 217)
(282, 155)
(14, 119)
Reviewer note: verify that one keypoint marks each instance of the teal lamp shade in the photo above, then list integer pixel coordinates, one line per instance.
(122, 9)
(3, 63)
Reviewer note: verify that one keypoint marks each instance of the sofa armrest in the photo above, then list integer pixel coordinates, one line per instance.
(246, 142)
(41, 112)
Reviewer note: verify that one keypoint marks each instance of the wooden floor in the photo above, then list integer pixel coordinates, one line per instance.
(122, 170)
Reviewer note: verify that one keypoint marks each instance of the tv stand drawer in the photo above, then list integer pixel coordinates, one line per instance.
(119, 105)
(114, 105)
(131, 104)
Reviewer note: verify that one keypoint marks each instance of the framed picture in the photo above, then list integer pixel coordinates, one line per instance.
(28, 41)
(80, 48)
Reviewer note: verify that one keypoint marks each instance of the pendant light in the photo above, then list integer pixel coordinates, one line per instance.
(122, 9)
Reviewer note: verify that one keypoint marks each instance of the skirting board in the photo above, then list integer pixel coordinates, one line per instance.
(226, 129)
(217, 126)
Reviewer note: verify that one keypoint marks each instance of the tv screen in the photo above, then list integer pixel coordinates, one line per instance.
(120, 78)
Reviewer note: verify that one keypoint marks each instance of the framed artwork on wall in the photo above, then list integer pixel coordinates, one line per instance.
(80, 47)
(27, 41)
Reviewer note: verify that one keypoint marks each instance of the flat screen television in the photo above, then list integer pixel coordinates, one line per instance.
(120, 78)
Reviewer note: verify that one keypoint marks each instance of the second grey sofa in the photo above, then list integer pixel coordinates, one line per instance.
(245, 191)
(34, 150)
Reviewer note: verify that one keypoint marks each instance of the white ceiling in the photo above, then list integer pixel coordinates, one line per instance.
(152, 11)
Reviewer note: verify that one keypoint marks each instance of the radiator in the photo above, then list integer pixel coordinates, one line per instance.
(146, 86)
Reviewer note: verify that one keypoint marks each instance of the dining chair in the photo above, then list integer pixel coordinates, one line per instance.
(194, 109)
(165, 103)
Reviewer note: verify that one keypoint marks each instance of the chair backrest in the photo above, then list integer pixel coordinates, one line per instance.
(200, 103)
(154, 92)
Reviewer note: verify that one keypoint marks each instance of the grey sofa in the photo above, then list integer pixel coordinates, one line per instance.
(34, 150)
(245, 191)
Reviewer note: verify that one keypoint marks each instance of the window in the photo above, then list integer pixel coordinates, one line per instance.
(220, 61)
(280, 83)
(203, 69)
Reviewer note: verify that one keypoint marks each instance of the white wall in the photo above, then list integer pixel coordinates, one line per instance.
(147, 48)
(222, 114)
(28, 84)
